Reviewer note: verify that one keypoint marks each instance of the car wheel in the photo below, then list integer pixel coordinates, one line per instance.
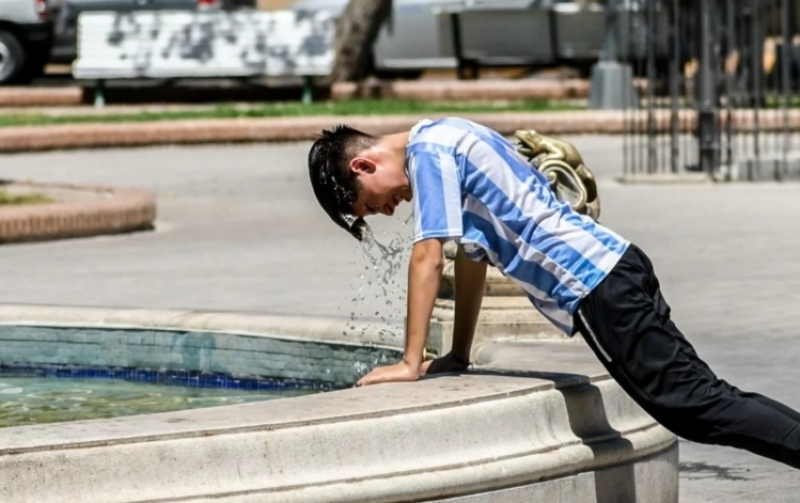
(12, 57)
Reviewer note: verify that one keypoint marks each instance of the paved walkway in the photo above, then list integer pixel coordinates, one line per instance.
(239, 230)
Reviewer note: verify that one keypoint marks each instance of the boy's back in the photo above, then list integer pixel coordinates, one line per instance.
(471, 184)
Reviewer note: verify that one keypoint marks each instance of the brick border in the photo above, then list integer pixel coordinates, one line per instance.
(74, 136)
(423, 90)
(126, 210)
(40, 96)
(429, 90)
(27, 139)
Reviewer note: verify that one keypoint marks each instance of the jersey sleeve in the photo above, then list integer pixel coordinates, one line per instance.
(436, 190)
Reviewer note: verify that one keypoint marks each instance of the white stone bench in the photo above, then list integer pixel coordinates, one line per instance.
(203, 44)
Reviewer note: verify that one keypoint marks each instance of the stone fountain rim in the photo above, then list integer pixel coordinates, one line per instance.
(333, 422)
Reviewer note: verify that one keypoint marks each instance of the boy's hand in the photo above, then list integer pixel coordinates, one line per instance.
(443, 364)
(402, 371)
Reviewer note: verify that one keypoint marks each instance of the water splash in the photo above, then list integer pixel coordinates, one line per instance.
(382, 261)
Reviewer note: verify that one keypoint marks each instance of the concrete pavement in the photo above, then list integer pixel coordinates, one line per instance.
(238, 229)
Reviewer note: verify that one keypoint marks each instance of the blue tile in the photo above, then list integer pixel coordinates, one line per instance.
(166, 376)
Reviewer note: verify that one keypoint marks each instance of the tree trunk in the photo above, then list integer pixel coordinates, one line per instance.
(356, 32)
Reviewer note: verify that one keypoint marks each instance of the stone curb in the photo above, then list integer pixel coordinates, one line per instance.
(116, 211)
(40, 97)
(423, 90)
(26, 139)
(100, 135)
(463, 89)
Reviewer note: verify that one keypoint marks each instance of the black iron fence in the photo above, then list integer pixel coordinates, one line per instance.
(717, 89)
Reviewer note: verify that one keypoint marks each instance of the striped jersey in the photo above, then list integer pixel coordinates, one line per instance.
(470, 184)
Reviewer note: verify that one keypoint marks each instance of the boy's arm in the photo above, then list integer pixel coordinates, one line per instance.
(424, 276)
(470, 284)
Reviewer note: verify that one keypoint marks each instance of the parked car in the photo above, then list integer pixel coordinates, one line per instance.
(409, 41)
(66, 22)
(419, 34)
(25, 39)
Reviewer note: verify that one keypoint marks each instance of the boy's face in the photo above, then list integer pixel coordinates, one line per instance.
(383, 187)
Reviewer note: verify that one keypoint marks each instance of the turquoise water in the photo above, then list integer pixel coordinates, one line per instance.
(36, 400)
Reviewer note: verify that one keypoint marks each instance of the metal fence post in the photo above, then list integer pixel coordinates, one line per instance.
(674, 86)
(708, 113)
(611, 81)
(786, 56)
(652, 155)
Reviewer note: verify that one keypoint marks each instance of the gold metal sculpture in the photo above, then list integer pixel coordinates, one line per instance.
(560, 162)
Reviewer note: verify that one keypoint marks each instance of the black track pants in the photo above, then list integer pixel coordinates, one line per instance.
(626, 322)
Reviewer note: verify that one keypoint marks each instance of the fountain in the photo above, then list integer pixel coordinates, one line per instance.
(536, 418)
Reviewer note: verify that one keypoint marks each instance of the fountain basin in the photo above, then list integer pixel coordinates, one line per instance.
(535, 420)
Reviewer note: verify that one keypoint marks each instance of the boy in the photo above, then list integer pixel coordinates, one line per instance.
(469, 184)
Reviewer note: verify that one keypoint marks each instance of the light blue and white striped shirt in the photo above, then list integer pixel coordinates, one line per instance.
(470, 184)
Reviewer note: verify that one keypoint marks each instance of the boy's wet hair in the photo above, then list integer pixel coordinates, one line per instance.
(334, 183)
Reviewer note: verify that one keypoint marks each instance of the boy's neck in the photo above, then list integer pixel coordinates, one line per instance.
(395, 144)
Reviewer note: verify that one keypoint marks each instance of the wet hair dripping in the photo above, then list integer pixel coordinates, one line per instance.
(335, 185)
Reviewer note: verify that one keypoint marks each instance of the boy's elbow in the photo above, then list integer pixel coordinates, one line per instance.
(432, 261)
(428, 253)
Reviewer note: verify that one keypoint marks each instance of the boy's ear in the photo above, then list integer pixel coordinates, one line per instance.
(362, 165)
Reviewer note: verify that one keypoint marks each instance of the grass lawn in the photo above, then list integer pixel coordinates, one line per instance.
(9, 199)
(291, 109)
